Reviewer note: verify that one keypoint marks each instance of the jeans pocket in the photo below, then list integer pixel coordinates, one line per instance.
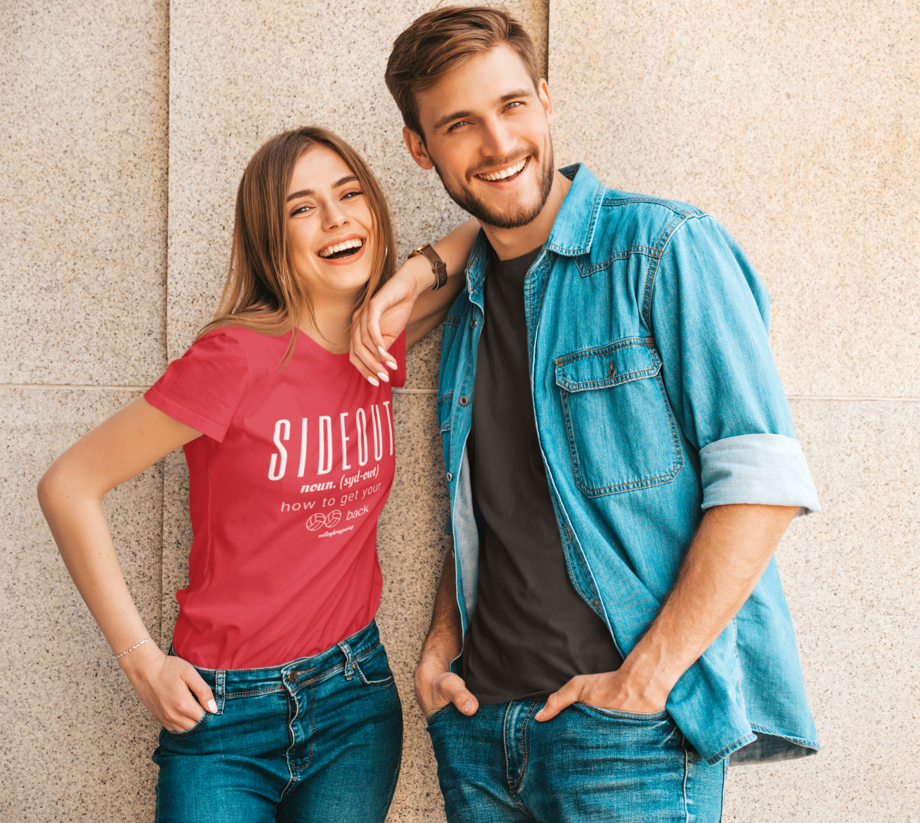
(614, 401)
(616, 714)
(436, 714)
(373, 669)
(189, 732)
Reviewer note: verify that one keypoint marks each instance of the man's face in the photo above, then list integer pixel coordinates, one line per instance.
(487, 136)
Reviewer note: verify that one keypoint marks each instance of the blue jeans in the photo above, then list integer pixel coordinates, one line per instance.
(314, 740)
(586, 764)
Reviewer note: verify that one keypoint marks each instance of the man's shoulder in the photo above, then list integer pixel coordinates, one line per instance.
(640, 222)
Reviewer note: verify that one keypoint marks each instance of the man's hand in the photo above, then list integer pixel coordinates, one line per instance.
(435, 688)
(610, 690)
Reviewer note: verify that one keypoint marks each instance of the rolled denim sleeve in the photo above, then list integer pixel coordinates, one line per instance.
(709, 313)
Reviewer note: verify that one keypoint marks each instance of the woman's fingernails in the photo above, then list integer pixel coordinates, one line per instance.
(373, 381)
(382, 350)
(383, 376)
(212, 707)
(391, 364)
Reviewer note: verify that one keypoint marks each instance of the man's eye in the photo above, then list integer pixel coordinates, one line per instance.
(514, 104)
(458, 124)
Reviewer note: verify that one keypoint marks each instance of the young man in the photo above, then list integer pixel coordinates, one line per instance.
(621, 464)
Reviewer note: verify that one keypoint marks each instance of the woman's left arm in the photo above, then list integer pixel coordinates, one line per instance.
(407, 302)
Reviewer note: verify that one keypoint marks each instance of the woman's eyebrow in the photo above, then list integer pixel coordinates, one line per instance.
(308, 192)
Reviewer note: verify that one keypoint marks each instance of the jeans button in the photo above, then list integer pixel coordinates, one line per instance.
(292, 677)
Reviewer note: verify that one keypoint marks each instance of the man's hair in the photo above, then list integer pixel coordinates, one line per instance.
(439, 41)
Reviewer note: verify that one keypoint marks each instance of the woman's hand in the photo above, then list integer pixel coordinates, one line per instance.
(383, 320)
(406, 301)
(168, 686)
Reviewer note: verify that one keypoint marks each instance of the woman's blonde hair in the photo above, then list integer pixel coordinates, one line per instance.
(262, 292)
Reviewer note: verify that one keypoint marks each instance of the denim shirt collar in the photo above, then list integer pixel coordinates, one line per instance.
(573, 228)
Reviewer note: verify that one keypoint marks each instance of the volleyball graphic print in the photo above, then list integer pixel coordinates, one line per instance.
(320, 520)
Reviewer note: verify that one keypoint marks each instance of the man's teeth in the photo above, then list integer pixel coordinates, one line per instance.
(501, 175)
(347, 244)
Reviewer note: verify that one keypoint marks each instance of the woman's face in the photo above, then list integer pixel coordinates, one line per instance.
(330, 227)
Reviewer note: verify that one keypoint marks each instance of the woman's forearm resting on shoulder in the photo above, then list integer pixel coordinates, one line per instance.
(70, 494)
(406, 302)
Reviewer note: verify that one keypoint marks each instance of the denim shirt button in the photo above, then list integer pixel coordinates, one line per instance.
(473, 323)
(464, 401)
(450, 476)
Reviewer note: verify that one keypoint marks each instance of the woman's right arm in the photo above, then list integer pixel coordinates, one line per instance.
(70, 494)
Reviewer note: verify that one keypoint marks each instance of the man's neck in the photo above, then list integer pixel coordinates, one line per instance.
(510, 243)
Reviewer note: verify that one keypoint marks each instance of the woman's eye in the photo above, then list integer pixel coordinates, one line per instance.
(351, 194)
(301, 210)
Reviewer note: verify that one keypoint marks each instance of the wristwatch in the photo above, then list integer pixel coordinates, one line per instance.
(438, 266)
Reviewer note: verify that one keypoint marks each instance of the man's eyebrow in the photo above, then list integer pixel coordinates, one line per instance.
(459, 115)
(348, 178)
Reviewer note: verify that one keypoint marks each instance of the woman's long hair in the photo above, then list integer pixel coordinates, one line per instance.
(262, 291)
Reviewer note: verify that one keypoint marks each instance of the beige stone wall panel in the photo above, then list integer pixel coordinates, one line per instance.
(77, 741)
(83, 100)
(851, 575)
(795, 125)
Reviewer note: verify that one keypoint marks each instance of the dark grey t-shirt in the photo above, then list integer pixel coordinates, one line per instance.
(531, 631)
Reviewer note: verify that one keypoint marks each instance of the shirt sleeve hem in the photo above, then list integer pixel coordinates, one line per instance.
(766, 469)
(185, 416)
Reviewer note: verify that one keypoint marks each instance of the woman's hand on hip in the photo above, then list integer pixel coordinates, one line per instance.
(170, 688)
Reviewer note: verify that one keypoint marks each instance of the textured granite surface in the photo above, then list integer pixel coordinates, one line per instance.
(76, 741)
(851, 574)
(83, 101)
(795, 125)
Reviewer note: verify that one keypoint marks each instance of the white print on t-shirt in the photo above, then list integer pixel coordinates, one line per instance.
(319, 521)
(359, 441)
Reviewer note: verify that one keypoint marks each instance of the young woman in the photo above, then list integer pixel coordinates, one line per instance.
(276, 699)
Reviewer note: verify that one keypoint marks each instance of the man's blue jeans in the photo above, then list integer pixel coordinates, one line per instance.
(316, 740)
(586, 764)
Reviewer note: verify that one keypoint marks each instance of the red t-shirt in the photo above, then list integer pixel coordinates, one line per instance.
(286, 486)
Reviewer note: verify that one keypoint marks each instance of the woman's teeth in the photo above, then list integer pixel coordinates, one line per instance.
(501, 175)
(345, 245)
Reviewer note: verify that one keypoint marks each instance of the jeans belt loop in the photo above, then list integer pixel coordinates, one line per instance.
(349, 660)
(220, 689)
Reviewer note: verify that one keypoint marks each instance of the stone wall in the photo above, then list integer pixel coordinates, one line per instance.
(126, 127)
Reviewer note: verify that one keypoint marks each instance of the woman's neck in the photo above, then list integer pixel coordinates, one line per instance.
(330, 325)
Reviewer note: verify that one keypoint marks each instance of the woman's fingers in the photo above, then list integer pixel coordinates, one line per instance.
(200, 689)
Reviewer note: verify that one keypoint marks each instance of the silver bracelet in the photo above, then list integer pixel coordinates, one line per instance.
(135, 646)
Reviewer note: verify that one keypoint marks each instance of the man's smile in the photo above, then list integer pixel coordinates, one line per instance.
(511, 172)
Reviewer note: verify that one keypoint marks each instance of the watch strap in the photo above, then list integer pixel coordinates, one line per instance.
(438, 266)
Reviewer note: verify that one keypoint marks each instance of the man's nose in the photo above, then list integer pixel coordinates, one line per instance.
(497, 140)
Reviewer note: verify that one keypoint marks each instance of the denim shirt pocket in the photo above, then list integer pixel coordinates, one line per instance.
(621, 432)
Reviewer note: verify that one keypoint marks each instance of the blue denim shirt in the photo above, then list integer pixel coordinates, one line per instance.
(655, 396)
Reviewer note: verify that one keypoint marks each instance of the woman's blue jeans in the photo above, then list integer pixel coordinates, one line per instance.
(316, 740)
(584, 765)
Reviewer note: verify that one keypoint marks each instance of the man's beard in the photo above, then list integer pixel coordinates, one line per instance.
(515, 217)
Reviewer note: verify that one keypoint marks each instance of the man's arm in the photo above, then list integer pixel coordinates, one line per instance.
(727, 557)
(435, 684)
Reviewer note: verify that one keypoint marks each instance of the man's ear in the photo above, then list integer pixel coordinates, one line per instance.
(417, 149)
(546, 100)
